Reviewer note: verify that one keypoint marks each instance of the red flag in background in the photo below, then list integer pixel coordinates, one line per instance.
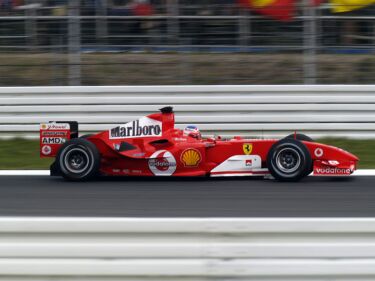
(317, 2)
(278, 9)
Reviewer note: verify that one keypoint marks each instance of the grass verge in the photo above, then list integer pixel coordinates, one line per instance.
(364, 149)
(21, 154)
(24, 154)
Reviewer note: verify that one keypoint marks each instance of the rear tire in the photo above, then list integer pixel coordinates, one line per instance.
(86, 136)
(289, 160)
(78, 160)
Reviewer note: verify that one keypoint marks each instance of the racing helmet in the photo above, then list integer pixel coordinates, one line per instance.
(192, 131)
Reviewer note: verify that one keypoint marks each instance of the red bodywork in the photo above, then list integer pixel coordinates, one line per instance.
(152, 146)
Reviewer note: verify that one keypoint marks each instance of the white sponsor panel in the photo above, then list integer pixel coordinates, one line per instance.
(56, 134)
(321, 171)
(162, 163)
(333, 162)
(240, 164)
(55, 126)
(143, 127)
(52, 140)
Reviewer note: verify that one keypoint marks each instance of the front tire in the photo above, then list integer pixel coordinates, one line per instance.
(300, 137)
(78, 160)
(289, 160)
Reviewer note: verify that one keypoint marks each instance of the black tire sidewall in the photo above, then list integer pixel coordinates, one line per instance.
(304, 154)
(302, 137)
(86, 136)
(93, 159)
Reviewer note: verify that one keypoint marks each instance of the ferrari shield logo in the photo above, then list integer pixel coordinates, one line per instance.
(247, 148)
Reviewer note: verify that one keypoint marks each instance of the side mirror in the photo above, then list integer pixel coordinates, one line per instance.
(210, 142)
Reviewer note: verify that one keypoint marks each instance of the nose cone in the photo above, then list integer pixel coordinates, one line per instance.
(327, 152)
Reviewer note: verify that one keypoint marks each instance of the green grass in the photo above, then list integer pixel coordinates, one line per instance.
(21, 154)
(364, 149)
(24, 154)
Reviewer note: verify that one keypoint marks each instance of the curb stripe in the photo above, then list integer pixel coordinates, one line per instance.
(24, 173)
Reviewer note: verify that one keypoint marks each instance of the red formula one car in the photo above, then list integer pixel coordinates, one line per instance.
(152, 146)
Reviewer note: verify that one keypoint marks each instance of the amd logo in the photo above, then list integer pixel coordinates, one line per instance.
(51, 140)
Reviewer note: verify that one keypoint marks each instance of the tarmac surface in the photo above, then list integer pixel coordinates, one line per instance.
(161, 197)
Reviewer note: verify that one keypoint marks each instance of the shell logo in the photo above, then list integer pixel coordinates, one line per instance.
(261, 3)
(191, 157)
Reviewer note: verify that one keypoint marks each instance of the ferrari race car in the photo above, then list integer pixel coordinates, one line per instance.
(152, 146)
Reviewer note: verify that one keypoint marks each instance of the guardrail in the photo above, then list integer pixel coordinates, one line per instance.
(186, 249)
(332, 110)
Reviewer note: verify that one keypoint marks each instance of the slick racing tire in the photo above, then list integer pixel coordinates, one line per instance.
(300, 137)
(86, 136)
(78, 160)
(289, 160)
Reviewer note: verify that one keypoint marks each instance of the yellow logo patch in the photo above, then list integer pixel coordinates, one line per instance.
(191, 157)
(261, 3)
(247, 148)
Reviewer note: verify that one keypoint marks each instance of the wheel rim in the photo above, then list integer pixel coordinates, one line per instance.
(76, 160)
(288, 160)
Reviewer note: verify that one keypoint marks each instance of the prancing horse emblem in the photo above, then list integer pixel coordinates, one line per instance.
(247, 148)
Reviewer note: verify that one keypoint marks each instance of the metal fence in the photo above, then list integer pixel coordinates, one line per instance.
(252, 111)
(182, 42)
(186, 249)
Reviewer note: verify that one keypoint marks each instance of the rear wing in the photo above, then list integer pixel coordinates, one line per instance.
(54, 134)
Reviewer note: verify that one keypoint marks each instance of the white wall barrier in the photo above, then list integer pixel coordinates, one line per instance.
(332, 110)
(186, 249)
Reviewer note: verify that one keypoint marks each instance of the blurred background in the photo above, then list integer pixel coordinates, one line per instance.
(169, 42)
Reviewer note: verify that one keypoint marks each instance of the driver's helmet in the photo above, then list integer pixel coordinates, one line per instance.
(192, 131)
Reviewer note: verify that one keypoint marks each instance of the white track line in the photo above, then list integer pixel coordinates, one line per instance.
(365, 172)
(362, 172)
(24, 173)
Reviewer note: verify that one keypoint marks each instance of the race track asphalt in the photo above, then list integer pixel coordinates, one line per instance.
(134, 197)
